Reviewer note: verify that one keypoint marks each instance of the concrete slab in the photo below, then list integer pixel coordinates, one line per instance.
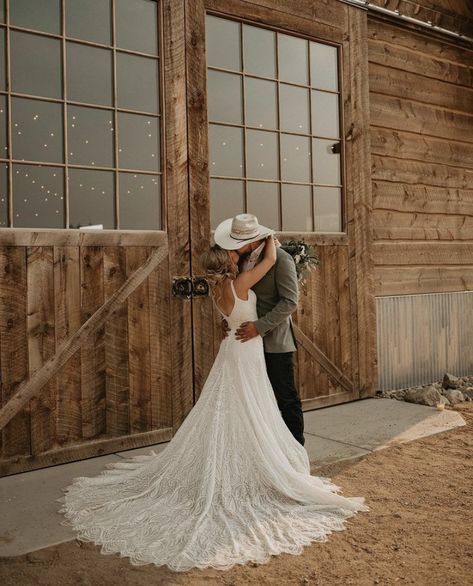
(28, 506)
(376, 423)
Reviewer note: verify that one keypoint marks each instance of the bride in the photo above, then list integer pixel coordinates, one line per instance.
(233, 485)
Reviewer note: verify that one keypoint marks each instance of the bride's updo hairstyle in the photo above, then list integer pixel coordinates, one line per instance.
(218, 265)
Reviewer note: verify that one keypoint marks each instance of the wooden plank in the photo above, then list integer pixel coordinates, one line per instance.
(414, 172)
(414, 87)
(399, 113)
(139, 350)
(92, 351)
(418, 233)
(90, 449)
(402, 280)
(441, 48)
(419, 198)
(407, 145)
(456, 223)
(41, 344)
(384, 54)
(160, 351)
(177, 189)
(67, 322)
(422, 253)
(332, 305)
(346, 362)
(317, 20)
(63, 237)
(117, 386)
(359, 202)
(14, 346)
(33, 385)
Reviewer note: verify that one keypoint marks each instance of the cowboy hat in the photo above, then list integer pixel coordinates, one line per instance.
(235, 232)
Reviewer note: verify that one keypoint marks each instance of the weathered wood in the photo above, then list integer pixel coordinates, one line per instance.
(50, 237)
(404, 280)
(41, 344)
(422, 253)
(92, 448)
(177, 189)
(64, 351)
(117, 386)
(14, 347)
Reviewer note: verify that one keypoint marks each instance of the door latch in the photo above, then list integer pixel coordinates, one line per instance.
(190, 287)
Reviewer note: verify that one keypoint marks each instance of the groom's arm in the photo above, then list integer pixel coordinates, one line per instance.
(287, 287)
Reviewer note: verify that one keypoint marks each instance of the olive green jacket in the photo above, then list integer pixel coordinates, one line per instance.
(277, 295)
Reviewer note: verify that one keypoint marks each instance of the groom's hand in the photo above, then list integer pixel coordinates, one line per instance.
(246, 331)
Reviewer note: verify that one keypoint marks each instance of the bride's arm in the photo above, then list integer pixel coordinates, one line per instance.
(247, 279)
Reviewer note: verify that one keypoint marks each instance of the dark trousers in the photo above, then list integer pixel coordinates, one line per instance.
(281, 375)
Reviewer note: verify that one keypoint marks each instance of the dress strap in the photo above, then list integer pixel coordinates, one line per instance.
(233, 290)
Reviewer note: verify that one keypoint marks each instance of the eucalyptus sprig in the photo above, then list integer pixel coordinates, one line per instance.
(305, 258)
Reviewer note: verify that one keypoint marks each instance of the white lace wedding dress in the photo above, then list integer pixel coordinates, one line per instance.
(232, 486)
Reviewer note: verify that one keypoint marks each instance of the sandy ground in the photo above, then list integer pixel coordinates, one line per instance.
(419, 531)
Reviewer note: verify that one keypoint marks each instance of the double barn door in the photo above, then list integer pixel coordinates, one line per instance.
(135, 379)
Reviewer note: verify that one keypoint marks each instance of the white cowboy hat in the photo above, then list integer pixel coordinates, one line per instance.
(235, 232)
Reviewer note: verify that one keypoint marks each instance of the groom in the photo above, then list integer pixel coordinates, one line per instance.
(277, 295)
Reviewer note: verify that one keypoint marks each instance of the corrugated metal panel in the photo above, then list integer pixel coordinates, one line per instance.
(420, 337)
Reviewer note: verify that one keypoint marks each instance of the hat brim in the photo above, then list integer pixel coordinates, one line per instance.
(223, 238)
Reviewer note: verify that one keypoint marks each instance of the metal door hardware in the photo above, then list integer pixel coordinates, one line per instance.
(190, 287)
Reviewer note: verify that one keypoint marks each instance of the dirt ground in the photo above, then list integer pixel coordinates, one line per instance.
(419, 531)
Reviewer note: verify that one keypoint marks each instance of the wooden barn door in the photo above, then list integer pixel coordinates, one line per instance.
(130, 384)
(335, 361)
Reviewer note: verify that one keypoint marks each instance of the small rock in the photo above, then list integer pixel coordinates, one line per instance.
(468, 392)
(426, 396)
(450, 381)
(444, 400)
(454, 396)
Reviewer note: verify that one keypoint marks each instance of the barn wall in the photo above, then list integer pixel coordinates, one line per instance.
(421, 120)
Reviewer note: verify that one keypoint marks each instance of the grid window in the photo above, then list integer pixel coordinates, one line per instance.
(80, 116)
(274, 127)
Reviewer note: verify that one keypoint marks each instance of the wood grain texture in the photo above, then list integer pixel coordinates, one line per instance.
(422, 279)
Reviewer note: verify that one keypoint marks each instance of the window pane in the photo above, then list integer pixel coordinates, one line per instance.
(2, 10)
(3, 195)
(296, 208)
(135, 72)
(295, 158)
(139, 142)
(38, 197)
(227, 199)
(89, 74)
(89, 20)
(90, 136)
(261, 154)
(263, 202)
(259, 47)
(226, 150)
(224, 97)
(137, 25)
(223, 43)
(42, 16)
(37, 130)
(326, 163)
(3, 127)
(91, 198)
(36, 65)
(140, 201)
(261, 103)
(2, 59)
(293, 108)
(327, 209)
(323, 66)
(325, 114)
(292, 59)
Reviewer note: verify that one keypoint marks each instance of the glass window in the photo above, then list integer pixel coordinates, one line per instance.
(140, 206)
(91, 198)
(109, 101)
(38, 196)
(36, 65)
(2, 10)
(89, 20)
(90, 134)
(89, 74)
(44, 15)
(286, 144)
(37, 133)
(136, 24)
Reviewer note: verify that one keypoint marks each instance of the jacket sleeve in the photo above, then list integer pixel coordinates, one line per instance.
(287, 287)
